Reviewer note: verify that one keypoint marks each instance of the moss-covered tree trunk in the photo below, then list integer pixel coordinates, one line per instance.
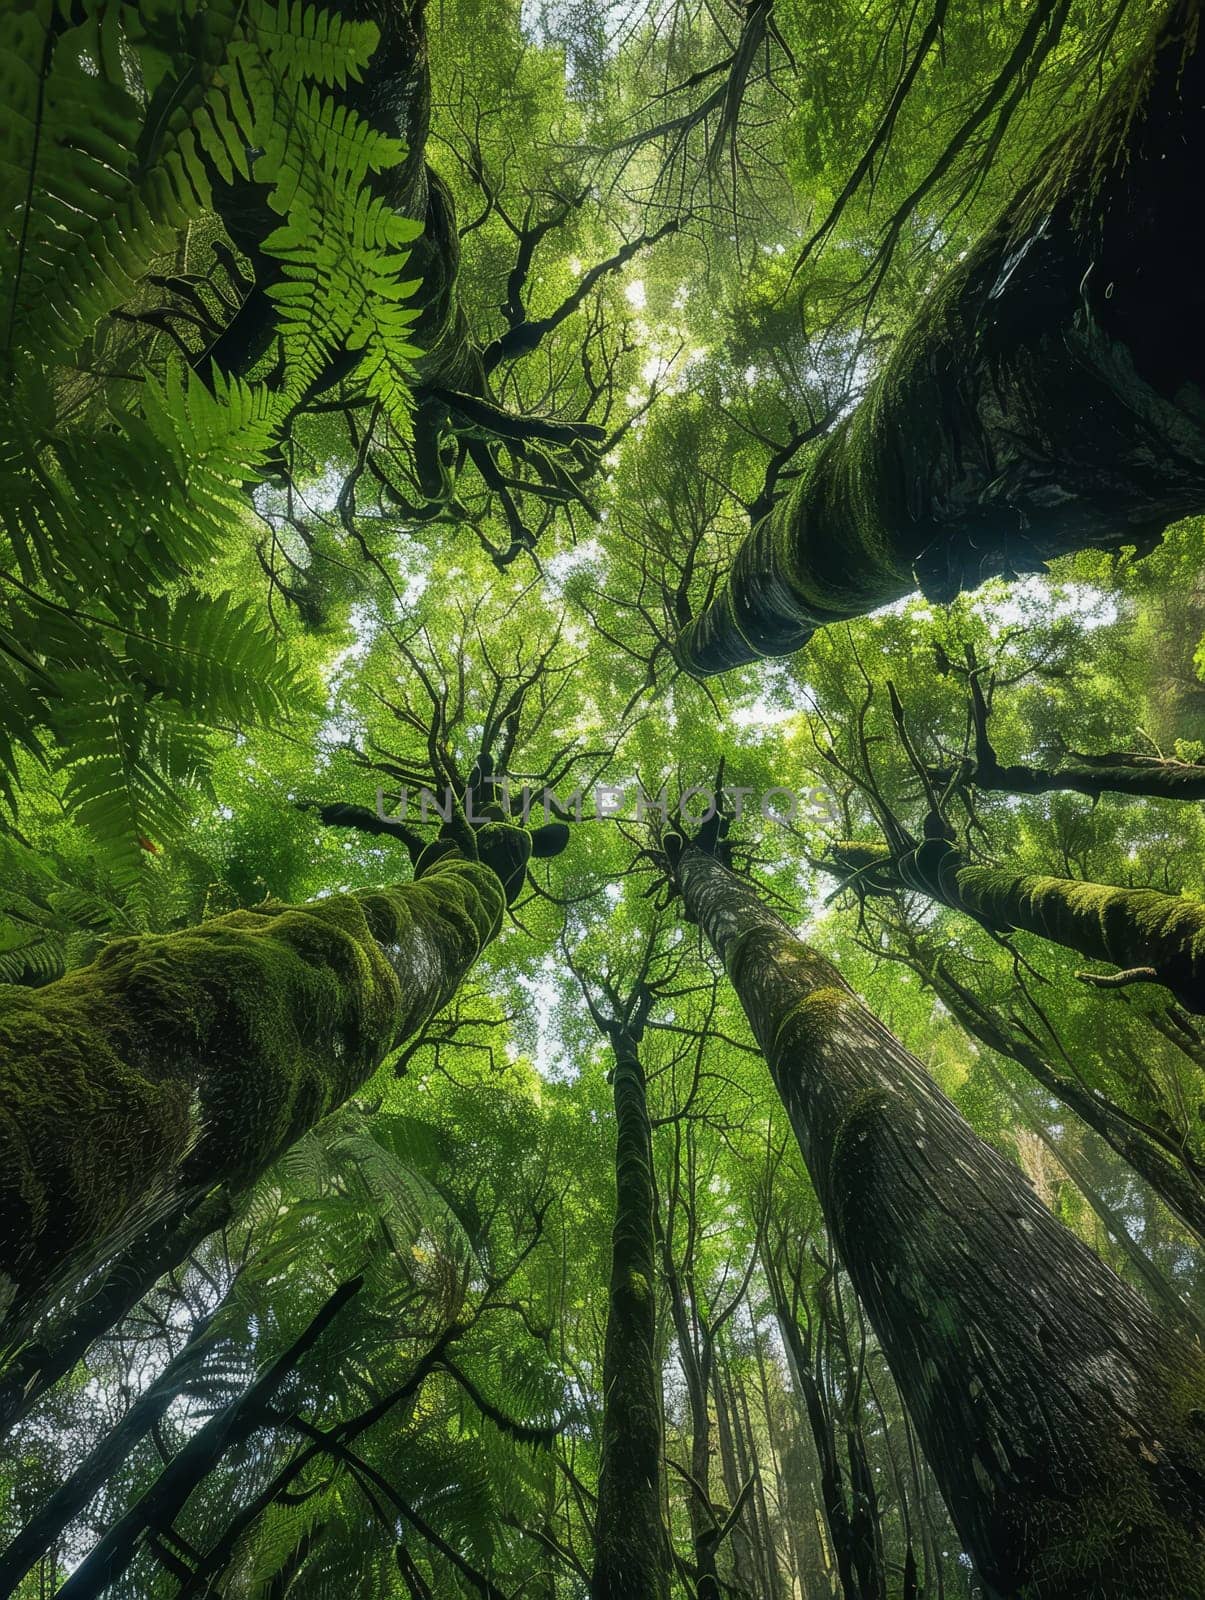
(1132, 928)
(1064, 1424)
(177, 1062)
(1160, 937)
(631, 1549)
(1047, 398)
(1161, 777)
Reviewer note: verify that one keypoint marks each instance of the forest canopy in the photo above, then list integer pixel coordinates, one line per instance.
(602, 760)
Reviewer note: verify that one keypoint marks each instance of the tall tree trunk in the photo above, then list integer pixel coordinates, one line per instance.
(749, 1461)
(1062, 1421)
(734, 1476)
(44, 1529)
(783, 1517)
(865, 1518)
(822, 1425)
(1046, 399)
(178, 1062)
(54, 1351)
(631, 1550)
(696, 1369)
(702, 1523)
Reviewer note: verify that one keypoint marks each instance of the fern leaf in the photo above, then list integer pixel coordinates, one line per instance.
(212, 656)
(86, 231)
(127, 767)
(314, 42)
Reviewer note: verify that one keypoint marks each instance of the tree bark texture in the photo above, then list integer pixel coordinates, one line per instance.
(1134, 929)
(631, 1551)
(1064, 1424)
(1047, 397)
(177, 1062)
(53, 1350)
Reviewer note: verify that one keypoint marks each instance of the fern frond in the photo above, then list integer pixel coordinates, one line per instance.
(30, 953)
(87, 224)
(114, 121)
(47, 924)
(127, 764)
(314, 43)
(211, 655)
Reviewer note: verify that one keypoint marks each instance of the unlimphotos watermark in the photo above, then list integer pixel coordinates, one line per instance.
(628, 801)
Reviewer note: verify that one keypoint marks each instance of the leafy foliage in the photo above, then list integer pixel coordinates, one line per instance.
(126, 489)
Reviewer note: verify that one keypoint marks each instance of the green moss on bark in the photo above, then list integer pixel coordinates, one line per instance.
(1129, 927)
(814, 1019)
(1062, 1421)
(1132, 928)
(1045, 399)
(631, 1549)
(178, 1061)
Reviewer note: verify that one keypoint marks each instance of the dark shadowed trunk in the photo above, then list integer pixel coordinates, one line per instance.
(1124, 773)
(1118, 772)
(734, 1474)
(1064, 1423)
(43, 1531)
(163, 1501)
(53, 1351)
(696, 1353)
(862, 1576)
(1046, 399)
(393, 96)
(631, 1549)
(785, 1526)
(749, 1460)
(702, 1523)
